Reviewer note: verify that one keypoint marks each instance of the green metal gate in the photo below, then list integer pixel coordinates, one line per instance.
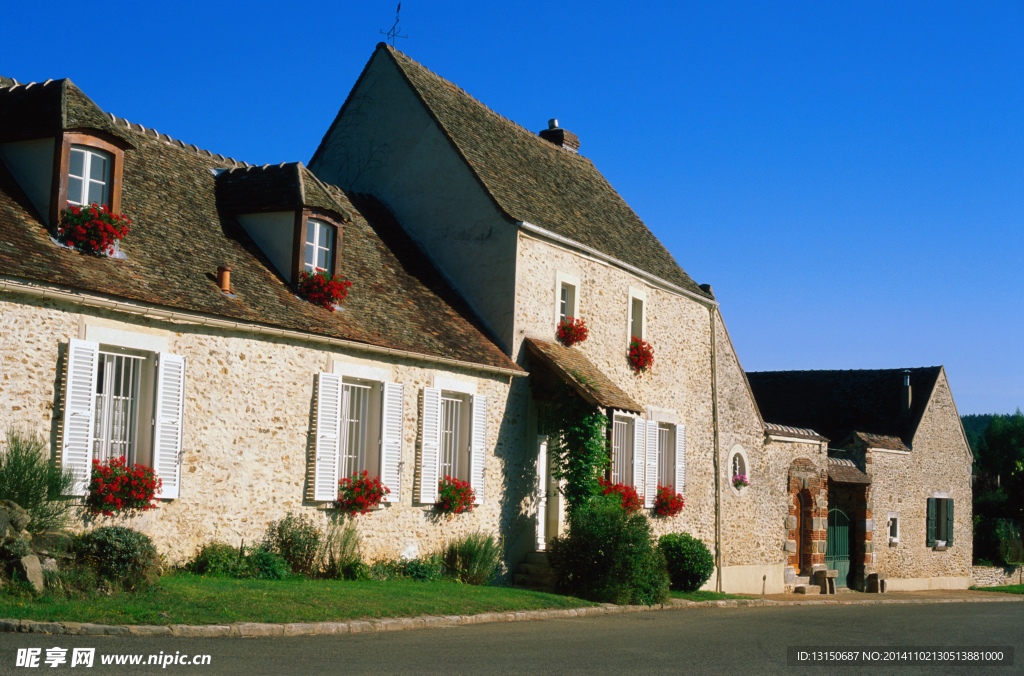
(837, 552)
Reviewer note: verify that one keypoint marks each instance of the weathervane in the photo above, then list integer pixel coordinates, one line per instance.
(393, 33)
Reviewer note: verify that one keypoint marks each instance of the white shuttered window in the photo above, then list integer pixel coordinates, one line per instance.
(127, 403)
(453, 442)
(680, 469)
(651, 467)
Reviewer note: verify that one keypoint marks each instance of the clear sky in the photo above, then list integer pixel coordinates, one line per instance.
(848, 176)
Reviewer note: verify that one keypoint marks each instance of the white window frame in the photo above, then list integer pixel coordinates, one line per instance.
(454, 436)
(667, 454)
(738, 452)
(571, 283)
(893, 520)
(636, 294)
(88, 155)
(323, 240)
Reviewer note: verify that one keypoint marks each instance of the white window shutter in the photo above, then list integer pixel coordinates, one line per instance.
(328, 435)
(639, 455)
(169, 415)
(391, 440)
(431, 445)
(478, 446)
(651, 476)
(80, 412)
(681, 460)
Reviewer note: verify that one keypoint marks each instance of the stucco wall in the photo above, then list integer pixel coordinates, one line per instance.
(387, 145)
(247, 416)
(939, 462)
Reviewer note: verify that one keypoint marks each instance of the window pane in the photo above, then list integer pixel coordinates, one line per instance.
(321, 258)
(74, 190)
(98, 168)
(96, 193)
(309, 255)
(637, 326)
(563, 309)
(311, 227)
(77, 163)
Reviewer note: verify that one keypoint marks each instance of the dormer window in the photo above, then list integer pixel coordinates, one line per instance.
(319, 246)
(89, 176)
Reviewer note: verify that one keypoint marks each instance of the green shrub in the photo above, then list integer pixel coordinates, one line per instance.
(263, 564)
(1011, 548)
(689, 561)
(609, 556)
(15, 549)
(28, 478)
(220, 559)
(216, 558)
(297, 540)
(430, 569)
(339, 557)
(473, 559)
(124, 557)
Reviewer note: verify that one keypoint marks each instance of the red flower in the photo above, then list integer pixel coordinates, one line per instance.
(630, 500)
(572, 331)
(640, 355)
(454, 496)
(668, 502)
(115, 487)
(93, 230)
(359, 493)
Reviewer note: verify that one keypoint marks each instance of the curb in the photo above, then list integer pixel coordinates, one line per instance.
(254, 629)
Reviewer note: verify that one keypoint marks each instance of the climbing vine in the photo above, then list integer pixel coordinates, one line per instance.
(577, 446)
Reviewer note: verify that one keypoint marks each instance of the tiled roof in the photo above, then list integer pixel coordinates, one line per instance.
(533, 180)
(835, 403)
(39, 109)
(844, 471)
(276, 187)
(877, 441)
(180, 235)
(578, 371)
(798, 432)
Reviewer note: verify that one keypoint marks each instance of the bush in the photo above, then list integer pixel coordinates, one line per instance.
(473, 559)
(124, 557)
(609, 555)
(689, 561)
(340, 557)
(1011, 548)
(430, 569)
(297, 540)
(28, 478)
(220, 559)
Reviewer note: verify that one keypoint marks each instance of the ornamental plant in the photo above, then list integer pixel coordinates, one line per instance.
(323, 289)
(740, 481)
(119, 488)
(668, 502)
(689, 561)
(630, 500)
(454, 496)
(640, 355)
(93, 229)
(359, 493)
(572, 331)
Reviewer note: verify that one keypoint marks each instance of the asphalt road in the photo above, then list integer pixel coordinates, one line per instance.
(699, 641)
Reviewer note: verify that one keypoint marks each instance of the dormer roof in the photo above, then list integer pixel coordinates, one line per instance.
(274, 187)
(36, 110)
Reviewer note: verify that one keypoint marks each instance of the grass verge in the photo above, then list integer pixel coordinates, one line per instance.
(1011, 589)
(707, 596)
(184, 598)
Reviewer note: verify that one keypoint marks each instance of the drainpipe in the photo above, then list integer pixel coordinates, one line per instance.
(718, 479)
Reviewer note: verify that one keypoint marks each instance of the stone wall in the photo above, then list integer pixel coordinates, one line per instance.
(248, 401)
(679, 329)
(939, 463)
(988, 576)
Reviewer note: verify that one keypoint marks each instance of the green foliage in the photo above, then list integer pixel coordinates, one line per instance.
(429, 569)
(28, 478)
(609, 556)
(215, 558)
(221, 559)
(263, 564)
(473, 559)
(297, 540)
(577, 446)
(1011, 548)
(15, 549)
(339, 557)
(689, 561)
(123, 557)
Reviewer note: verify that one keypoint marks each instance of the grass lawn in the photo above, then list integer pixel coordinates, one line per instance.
(184, 598)
(707, 596)
(1011, 589)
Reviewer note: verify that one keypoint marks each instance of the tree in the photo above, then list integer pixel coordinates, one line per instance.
(1004, 457)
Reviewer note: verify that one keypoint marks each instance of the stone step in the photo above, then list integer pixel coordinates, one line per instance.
(802, 579)
(534, 580)
(807, 589)
(534, 568)
(537, 557)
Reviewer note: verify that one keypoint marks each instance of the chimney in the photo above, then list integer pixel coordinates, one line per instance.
(905, 399)
(560, 137)
(224, 279)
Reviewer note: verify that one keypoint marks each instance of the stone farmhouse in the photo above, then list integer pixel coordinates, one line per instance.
(467, 239)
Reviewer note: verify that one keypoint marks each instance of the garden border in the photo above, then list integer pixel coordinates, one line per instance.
(246, 629)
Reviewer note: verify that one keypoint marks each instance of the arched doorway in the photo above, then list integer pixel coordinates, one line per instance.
(800, 537)
(837, 551)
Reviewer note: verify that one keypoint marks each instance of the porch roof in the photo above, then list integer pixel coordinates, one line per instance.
(580, 374)
(844, 471)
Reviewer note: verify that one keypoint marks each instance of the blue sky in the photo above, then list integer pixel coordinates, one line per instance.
(850, 179)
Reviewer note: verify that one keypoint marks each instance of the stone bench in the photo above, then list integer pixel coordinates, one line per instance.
(876, 583)
(826, 579)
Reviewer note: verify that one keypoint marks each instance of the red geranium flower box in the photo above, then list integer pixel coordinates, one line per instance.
(117, 487)
(93, 229)
(630, 500)
(359, 493)
(454, 496)
(322, 289)
(668, 502)
(640, 355)
(572, 331)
